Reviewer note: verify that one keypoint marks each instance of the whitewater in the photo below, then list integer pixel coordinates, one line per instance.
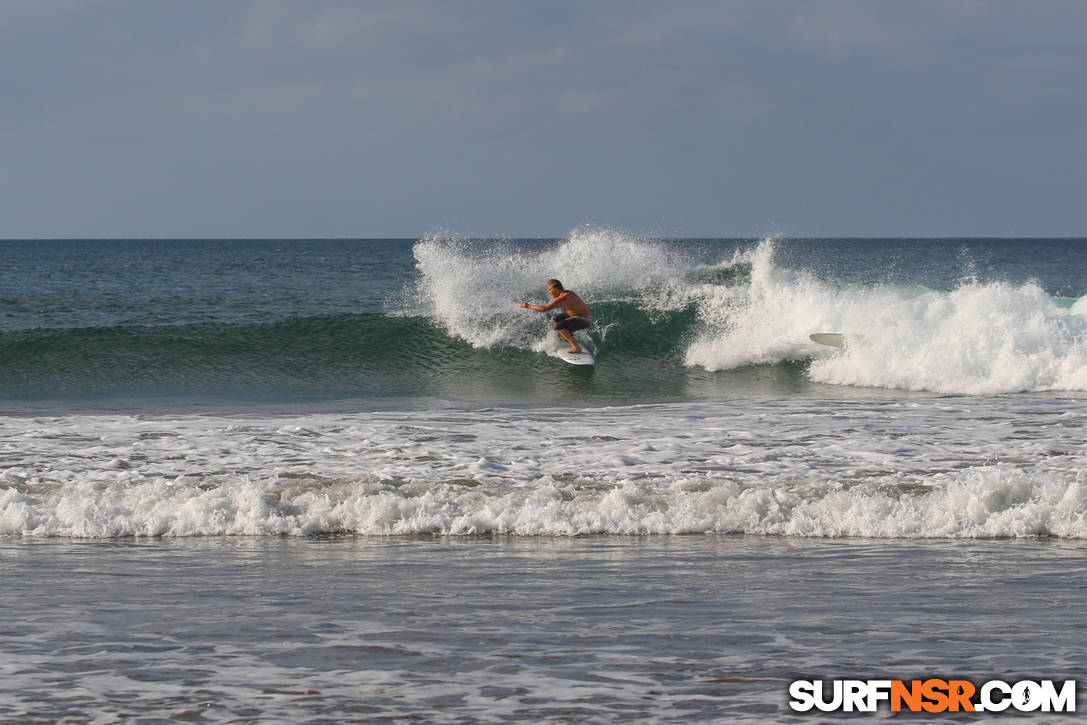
(931, 467)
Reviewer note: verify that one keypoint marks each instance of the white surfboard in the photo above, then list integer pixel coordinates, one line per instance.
(833, 339)
(575, 358)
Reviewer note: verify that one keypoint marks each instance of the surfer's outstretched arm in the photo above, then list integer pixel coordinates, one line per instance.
(543, 308)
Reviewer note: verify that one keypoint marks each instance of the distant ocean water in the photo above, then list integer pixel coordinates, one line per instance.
(357, 391)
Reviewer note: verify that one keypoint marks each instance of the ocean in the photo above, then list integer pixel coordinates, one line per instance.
(344, 481)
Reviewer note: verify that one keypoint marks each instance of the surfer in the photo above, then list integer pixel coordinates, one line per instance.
(576, 317)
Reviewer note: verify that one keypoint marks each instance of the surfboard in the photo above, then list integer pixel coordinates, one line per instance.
(833, 339)
(575, 358)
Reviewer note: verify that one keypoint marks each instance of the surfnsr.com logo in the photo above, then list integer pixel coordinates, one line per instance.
(933, 695)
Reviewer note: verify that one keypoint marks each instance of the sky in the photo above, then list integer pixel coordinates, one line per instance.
(399, 118)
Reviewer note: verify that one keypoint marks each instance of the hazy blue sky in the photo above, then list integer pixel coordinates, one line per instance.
(208, 118)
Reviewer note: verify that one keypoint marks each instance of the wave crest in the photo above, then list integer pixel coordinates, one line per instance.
(986, 502)
(980, 338)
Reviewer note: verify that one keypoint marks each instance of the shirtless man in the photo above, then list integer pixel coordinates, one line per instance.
(577, 315)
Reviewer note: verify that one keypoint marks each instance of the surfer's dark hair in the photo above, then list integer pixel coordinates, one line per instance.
(556, 283)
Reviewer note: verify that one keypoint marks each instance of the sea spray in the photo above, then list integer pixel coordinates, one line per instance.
(470, 288)
(764, 320)
(979, 338)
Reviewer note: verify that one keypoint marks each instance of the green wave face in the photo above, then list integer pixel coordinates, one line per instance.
(366, 355)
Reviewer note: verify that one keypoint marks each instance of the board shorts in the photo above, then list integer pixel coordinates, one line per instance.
(566, 322)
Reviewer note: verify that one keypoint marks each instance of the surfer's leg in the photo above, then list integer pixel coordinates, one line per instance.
(566, 335)
(562, 322)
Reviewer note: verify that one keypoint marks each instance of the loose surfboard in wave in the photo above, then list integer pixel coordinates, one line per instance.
(833, 339)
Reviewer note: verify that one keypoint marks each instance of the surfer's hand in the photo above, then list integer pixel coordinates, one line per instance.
(524, 304)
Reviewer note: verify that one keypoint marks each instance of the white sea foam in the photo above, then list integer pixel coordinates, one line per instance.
(981, 338)
(471, 288)
(921, 468)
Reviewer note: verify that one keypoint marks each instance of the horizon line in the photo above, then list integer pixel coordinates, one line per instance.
(536, 238)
